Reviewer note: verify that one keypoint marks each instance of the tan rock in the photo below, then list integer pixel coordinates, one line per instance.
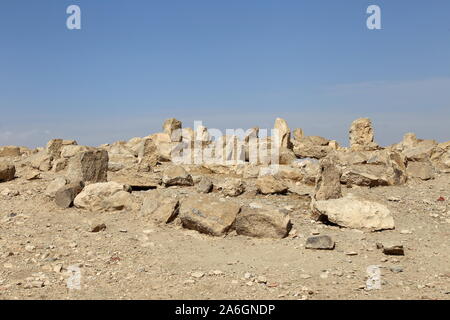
(262, 221)
(362, 135)
(232, 187)
(328, 183)
(173, 127)
(354, 213)
(10, 151)
(101, 197)
(422, 170)
(270, 185)
(176, 176)
(282, 134)
(208, 215)
(7, 172)
(159, 208)
(89, 166)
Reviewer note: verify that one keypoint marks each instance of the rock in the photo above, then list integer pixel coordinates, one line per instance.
(55, 146)
(71, 150)
(320, 243)
(270, 185)
(32, 175)
(328, 183)
(232, 187)
(306, 149)
(7, 172)
(173, 128)
(120, 201)
(136, 180)
(89, 166)
(205, 185)
(362, 135)
(298, 134)
(354, 213)
(261, 221)
(40, 160)
(160, 208)
(64, 197)
(197, 274)
(98, 228)
(421, 152)
(176, 176)
(282, 134)
(57, 184)
(104, 196)
(421, 170)
(208, 215)
(9, 151)
(393, 250)
(288, 173)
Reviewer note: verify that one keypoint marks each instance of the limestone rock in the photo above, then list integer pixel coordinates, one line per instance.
(102, 197)
(270, 185)
(208, 215)
(173, 128)
(232, 187)
(320, 243)
(362, 135)
(328, 183)
(261, 221)
(205, 185)
(55, 185)
(10, 151)
(422, 170)
(64, 197)
(160, 208)
(176, 176)
(354, 213)
(7, 172)
(89, 166)
(282, 134)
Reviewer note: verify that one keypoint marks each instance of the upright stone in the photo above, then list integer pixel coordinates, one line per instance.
(7, 172)
(173, 128)
(89, 166)
(328, 183)
(362, 135)
(282, 133)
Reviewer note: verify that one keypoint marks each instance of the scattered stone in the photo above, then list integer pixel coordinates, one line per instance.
(197, 275)
(205, 185)
(65, 196)
(104, 196)
(208, 215)
(353, 213)
(7, 172)
(98, 228)
(328, 183)
(89, 166)
(270, 185)
(362, 135)
(393, 250)
(176, 176)
(320, 243)
(261, 221)
(232, 187)
(160, 208)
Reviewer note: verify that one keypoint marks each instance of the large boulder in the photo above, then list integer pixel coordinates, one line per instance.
(362, 135)
(328, 183)
(65, 196)
(354, 213)
(89, 166)
(176, 176)
(173, 127)
(160, 208)
(55, 185)
(7, 172)
(282, 134)
(10, 151)
(232, 187)
(55, 146)
(422, 170)
(270, 185)
(261, 221)
(104, 196)
(208, 215)
(441, 157)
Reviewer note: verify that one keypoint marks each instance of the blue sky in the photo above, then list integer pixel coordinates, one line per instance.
(229, 63)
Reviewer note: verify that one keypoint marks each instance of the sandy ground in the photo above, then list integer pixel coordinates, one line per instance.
(134, 259)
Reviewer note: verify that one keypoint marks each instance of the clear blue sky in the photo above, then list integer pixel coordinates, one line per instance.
(229, 63)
